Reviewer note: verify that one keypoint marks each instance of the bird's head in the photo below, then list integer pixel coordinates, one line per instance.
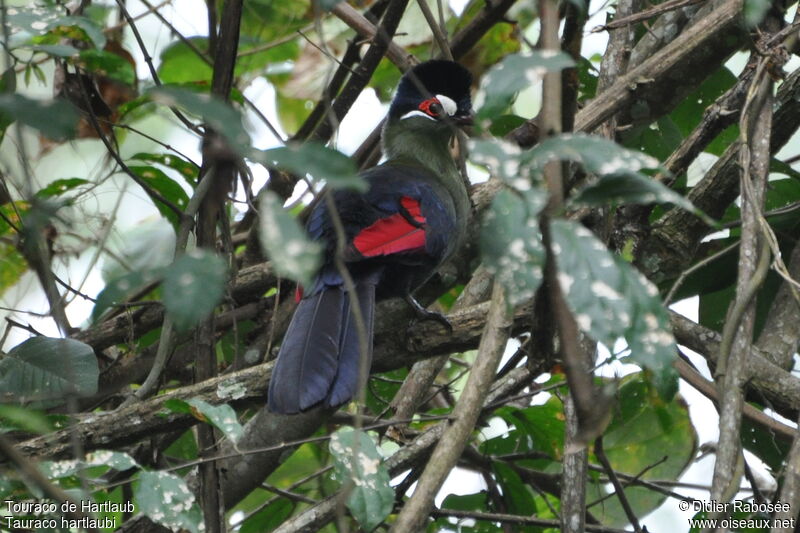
(433, 94)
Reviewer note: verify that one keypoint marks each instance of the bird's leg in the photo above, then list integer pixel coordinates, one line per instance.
(424, 314)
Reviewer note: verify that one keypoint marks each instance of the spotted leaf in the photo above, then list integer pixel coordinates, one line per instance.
(611, 300)
(166, 499)
(293, 255)
(504, 160)
(105, 459)
(514, 73)
(193, 286)
(596, 154)
(322, 163)
(222, 417)
(511, 245)
(357, 460)
(634, 188)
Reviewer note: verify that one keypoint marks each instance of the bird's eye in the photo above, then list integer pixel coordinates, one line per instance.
(432, 107)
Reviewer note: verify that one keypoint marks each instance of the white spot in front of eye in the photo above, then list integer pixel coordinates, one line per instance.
(416, 113)
(448, 104)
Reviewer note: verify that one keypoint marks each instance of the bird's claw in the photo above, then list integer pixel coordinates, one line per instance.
(424, 314)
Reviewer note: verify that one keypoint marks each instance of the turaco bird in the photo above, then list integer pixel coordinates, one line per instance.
(410, 220)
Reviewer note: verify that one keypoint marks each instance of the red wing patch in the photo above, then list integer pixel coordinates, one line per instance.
(298, 294)
(393, 234)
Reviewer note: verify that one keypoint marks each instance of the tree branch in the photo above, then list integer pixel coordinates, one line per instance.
(465, 414)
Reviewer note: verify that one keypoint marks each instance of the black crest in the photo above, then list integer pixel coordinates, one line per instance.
(437, 76)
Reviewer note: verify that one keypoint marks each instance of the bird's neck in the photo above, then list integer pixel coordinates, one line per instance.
(416, 143)
(425, 146)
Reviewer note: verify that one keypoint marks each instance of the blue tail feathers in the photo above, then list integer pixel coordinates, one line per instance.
(318, 362)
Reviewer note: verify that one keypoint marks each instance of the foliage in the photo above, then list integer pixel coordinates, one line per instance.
(93, 143)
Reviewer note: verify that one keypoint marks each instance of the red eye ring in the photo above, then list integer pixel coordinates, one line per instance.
(431, 107)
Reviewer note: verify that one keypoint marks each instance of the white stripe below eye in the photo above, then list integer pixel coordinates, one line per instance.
(416, 113)
(448, 104)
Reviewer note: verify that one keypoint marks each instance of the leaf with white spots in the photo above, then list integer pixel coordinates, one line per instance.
(166, 499)
(322, 163)
(503, 160)
(42, 371)
(107, 459)
(596, 154)
(511, 245)
(222, 417)
(633, 188)
(193, 286)
(293, 254)
(356, 459)
(515, 73)
(612, 300)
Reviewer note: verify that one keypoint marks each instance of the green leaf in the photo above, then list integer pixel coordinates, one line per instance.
(56, 119)
(516, 494)
(466, 502)
(754, 11)
(511, 245)
(327, 5)
(119, 289)
(597, 155)
(321, 162)
(646, 435)
(8, 84)
(90, 29)
(610, 299)
(356, 459)
(514, 73)
(60, 186)
(219, 115)
(634, 188)
(268, 518)
(222, 417)
(505, 161)
(12, 266)
(180, 64)
(16, 417)
(29, 21)
(107, 64)
(658, 139)
(505, 124)
(193, 286)
(293, 255)
(56, 50)
(188, 170)
(43, 370)
(688, 114)
(109, 459)
(167, 187)
(538, 428)
(166, 499)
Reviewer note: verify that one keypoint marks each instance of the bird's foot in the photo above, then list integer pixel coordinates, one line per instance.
(424, 314)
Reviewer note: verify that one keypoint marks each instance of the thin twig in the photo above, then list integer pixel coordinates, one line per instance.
(438, 34)
(618, 489)
(149, 61)
(645, 14)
